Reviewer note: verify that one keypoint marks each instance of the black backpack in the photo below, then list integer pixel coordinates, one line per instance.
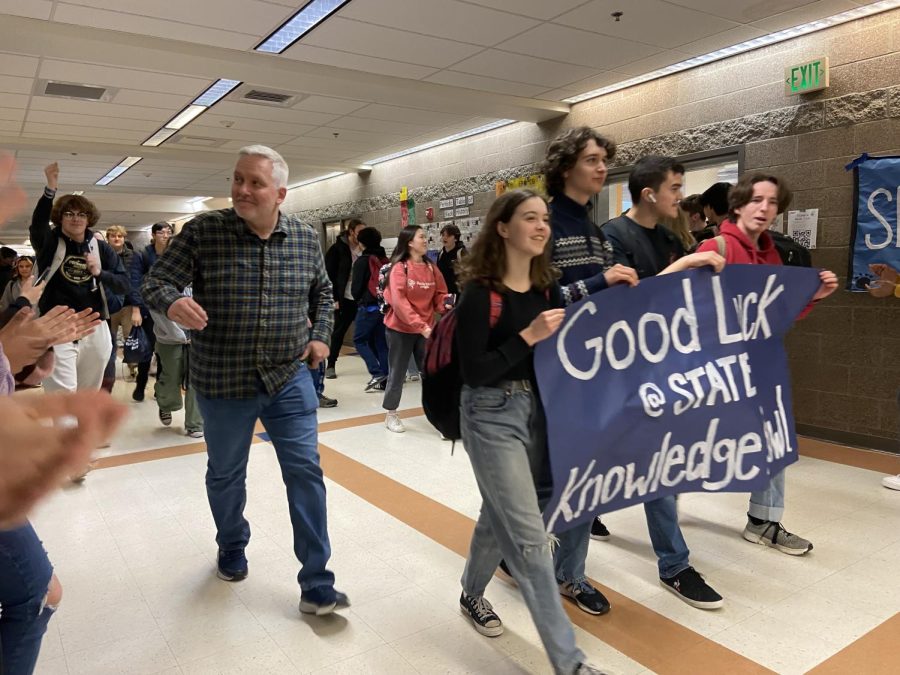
(441, 379)
(791, 251)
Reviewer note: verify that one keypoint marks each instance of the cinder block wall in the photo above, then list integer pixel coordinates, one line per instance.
(845, 357)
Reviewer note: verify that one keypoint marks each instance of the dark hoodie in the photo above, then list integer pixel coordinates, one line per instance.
(362, 273)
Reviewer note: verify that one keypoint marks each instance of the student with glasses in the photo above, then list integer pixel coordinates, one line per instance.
(81, 272)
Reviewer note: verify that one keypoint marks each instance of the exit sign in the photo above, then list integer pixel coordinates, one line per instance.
(806, 77)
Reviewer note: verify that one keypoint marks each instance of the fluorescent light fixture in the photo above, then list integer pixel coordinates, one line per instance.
(312, 14)
(441, 141)
(197, 200)
(772, 38)
(118, 170)
(160, 137)
(216, 92)
(78, 192)
(334, 174)
(185, 116)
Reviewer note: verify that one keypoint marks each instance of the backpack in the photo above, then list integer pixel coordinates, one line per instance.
(791, 252)
(112, 302)
(384, 276)
(441, 379)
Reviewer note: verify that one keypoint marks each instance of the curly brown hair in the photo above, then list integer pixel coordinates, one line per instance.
(486, 262)
(75, 203)
(741, 194)
(563, 154)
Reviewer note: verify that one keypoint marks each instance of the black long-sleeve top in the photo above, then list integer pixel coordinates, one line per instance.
(362, 274)
(72, 285)
(488, 355)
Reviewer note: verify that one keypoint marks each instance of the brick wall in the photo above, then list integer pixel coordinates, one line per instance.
(845, 357)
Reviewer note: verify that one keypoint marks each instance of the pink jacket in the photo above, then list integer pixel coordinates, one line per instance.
(415, 292)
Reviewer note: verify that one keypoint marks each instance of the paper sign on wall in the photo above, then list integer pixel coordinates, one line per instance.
(802, 227)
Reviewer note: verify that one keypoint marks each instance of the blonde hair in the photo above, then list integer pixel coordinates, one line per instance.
(680, 226)
(116, 229)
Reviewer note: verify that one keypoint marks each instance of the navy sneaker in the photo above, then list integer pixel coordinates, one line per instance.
(232, 565)
(322, 600)
(586, 597)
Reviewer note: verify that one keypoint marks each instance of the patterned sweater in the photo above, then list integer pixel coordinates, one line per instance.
(580, 250)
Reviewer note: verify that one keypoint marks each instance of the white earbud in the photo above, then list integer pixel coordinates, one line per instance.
(651, 198)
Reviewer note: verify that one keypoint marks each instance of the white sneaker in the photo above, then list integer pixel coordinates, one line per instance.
(393, 423)
(891, 482)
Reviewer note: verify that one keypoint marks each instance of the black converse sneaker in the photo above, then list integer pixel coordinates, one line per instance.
(483, 617)
(690, 587)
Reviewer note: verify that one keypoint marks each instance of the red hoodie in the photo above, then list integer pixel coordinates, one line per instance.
(741, 251)
(414, 294)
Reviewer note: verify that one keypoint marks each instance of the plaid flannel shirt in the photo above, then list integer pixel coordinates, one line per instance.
(257, 294)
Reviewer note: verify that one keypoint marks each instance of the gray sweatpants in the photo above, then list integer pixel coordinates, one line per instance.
(400, 347)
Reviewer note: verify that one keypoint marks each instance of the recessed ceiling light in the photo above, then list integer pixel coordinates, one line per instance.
(216, 92)
(118, 170)
(159, 137)
(185, 116)
(755, 43)
(300, 24)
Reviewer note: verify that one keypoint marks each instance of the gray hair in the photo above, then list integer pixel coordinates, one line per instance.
(279, 166)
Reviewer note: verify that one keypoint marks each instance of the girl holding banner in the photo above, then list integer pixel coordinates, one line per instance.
(744, 239)
(510, 302)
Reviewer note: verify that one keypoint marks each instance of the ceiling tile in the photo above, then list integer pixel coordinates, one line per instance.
(111, 76)
(743, 12)
(810, 12)
(65, 105)
(141, 25)
(244, 124)
(347, 136)
(376, 126)
(238, 16)
(441, 18)
(15, 85)
(79, 132)
(727, 38)
(33, 9)
(652, 22)
(393, 113)
(585, 85)
(481, 83)
(18, 65)
(562, 43)
(366, 64)
(10, 126)
(14, 100)
(47, 117)
(651, 63)
(325, 104)
(538, 9)
(14, 114)
(151, 99)
(518, 67)
(233, 109)
(388, 43)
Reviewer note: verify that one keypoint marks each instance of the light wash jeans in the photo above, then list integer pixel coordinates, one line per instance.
(290, 420)
(503, 432)
(768, 504)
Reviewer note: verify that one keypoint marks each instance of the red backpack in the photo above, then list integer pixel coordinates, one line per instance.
(375, 264)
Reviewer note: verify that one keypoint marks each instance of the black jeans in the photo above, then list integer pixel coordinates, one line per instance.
(143, 373)
(343, 317)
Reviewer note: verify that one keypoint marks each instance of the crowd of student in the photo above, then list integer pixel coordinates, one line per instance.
(262, 345)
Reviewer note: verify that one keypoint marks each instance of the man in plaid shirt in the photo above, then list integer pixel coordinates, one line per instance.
(257, 275)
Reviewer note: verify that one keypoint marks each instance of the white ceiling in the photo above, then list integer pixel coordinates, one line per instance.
(378, 76)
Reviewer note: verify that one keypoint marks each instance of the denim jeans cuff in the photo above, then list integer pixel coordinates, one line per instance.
(773, 514)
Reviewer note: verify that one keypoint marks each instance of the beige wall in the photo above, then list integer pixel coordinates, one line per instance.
(845, 357)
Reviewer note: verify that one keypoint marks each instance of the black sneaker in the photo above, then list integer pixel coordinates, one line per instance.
(690, 587)
(232, 565)
(588, 598)
(483, 617)
(138, 394)
(598, 530)
(165, 417)
(376, 384)
(325, 402)
(322, 600)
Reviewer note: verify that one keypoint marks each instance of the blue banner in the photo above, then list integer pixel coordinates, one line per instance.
(874, 237)
(680, 384)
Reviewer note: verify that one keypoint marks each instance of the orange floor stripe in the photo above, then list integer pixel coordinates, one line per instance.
(875, 653)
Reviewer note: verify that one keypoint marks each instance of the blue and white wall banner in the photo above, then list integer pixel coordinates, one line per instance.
(874, 237)
(680, 384)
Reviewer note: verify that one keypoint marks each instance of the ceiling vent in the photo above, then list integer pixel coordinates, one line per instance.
(268, 97)
(198, 141)
(72, 90)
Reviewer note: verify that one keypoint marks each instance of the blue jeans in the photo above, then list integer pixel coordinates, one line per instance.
(290, 420)
(25, 573)
(671, 549)
(504, 435)
(318, 378)
(370, 341)
(768, 504)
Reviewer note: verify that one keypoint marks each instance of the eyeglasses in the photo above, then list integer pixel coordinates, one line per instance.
(74, 214)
